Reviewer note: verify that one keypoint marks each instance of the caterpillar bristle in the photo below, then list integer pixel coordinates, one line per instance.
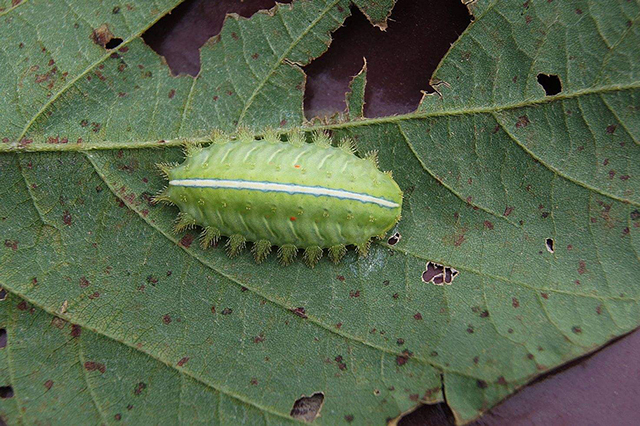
(348, 145)
(165, 168)
(388, 173)
(218, 136)
(321, 139)
(363, 248)
(287, 254)
(336, 253)
(372, 156)
(189, 148)
(245, 135)
(162, 197)
(209, 236)
(235, 245)
(312, 256)
(184, 221)
(297, 138)
(261, 250)
(271, 136)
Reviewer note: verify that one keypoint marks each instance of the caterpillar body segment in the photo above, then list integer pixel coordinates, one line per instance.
(293, 195)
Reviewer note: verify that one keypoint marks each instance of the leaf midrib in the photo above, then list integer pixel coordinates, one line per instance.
(392, 119)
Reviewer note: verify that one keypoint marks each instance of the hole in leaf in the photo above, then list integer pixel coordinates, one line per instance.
(550, 83)
(429, 414)
(307, 408)
(3, 294)
(393, 240)
(549, 243)
(179, 35)
(6, 392)
(113, 43)
(395, 74)
(3, 337)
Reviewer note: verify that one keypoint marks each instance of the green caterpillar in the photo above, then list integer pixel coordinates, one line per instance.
(292, 194)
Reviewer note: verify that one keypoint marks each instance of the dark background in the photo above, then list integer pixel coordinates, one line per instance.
(603, 388)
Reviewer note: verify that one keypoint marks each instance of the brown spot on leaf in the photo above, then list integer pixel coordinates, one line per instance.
(93, 366)
(76, 330)
(186, 240)
(482, 384)
(166, 319)
(417, 316)
(508, 210)
(300, 312)
(66, 218)
(515, 302)
(183, 361)
(582, 267)
(102, 35)
(48, 384)
(12, 244)
(523, 121)
(139, 388)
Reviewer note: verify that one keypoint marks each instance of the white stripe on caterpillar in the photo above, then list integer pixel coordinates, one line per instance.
(288, 188)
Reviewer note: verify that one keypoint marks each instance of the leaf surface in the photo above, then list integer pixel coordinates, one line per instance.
(532, 198)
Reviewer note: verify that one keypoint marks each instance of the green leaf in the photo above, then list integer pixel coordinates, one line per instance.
(355, 96)
(534, 200)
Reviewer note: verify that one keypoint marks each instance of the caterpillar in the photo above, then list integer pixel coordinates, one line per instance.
(291, 194)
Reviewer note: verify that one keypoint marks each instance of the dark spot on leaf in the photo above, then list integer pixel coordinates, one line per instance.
(12, 244)
(484, 314)
(102, 36)
(76, 330)
(417, 316)
(400, 342)
(550, 83)
(227, 311)
(508, 210)
(544, 295)
(576, 329)
(22, 306)
(66, 218)
(488, 225)
(115, 10)
(166, 319)
(48, 384)
(187, 240)
(6, 392)
(94, 295)
(254, 381)
(482, 384)
(395, 295)
(515, 302)
(582, 267)
(348, 418)
(84, 282)
(401, 360)
(502, 381)
(624, 177)
(172, 93)
(300, 312)
(354, 293)
(530, 356)
(93, 366)
(340, 278)
(183, 361)
(118, 417)
(139, 388)
(3, 337)
(523, 121)
(470, 329)
(578, 11)
(259, 338)
(476, 359)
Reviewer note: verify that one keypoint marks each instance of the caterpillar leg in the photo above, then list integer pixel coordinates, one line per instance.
(287, 254)
(336, 253)
(184, 221)
(235, 245)
(209, 236)
(261, 250)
